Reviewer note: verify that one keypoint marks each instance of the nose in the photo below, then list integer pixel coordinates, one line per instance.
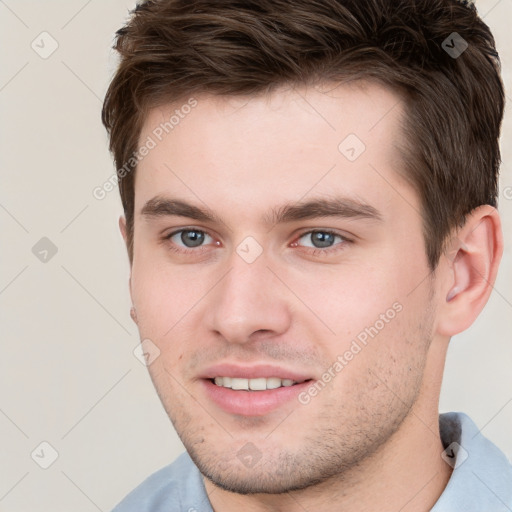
(248, 302)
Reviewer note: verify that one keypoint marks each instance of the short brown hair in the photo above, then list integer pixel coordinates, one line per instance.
(172, 49)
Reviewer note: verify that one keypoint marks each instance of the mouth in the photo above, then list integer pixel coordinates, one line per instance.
(255, 384)
(253, 391)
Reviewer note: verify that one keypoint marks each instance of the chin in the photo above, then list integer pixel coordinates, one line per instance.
(275, 475)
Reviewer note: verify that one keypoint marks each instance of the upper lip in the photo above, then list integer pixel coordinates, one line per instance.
(252, 372)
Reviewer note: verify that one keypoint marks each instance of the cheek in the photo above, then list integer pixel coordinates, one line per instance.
(382, 366)
(162, 298)
(165, 302)
(349, 299)
(377, 322)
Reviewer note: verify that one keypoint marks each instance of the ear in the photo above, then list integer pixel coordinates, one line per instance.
(122, 227)
(472, 259)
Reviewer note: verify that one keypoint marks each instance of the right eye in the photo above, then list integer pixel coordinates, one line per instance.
(189, 238)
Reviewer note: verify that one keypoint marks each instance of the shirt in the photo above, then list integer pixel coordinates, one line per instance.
(481, 480)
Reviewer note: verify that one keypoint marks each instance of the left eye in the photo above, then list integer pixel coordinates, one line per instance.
(189, 238)
(320, 239)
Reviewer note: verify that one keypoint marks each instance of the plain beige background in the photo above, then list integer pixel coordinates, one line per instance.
(68, 373)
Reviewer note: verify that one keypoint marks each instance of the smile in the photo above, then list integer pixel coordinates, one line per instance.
(257, 384)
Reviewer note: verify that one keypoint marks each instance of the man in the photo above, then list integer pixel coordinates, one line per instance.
(309, 193)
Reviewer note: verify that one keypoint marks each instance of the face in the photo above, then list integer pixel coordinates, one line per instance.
(280, 271)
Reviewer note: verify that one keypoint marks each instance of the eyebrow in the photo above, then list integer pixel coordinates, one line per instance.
(341, 207)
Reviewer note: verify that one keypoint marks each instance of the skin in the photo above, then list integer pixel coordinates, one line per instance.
(370, 439)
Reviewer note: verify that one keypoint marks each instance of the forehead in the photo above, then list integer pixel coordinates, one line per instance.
(258, 151)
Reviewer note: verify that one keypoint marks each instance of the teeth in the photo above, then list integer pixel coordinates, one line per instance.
(239, 383)
(258, 384)
(273, 383)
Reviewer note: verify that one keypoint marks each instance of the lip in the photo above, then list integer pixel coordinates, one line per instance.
(252, 403)
(252, 372)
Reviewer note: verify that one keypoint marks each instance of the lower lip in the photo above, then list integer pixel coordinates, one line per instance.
(252, 403)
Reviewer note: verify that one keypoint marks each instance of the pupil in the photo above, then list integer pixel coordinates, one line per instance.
(322, 239)
(192, 238)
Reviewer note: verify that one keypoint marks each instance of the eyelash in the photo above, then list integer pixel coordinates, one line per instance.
(312, 251)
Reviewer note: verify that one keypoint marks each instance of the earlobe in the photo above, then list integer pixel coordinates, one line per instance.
(471, 261)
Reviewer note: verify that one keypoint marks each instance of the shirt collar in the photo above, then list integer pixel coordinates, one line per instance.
(482, 476)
